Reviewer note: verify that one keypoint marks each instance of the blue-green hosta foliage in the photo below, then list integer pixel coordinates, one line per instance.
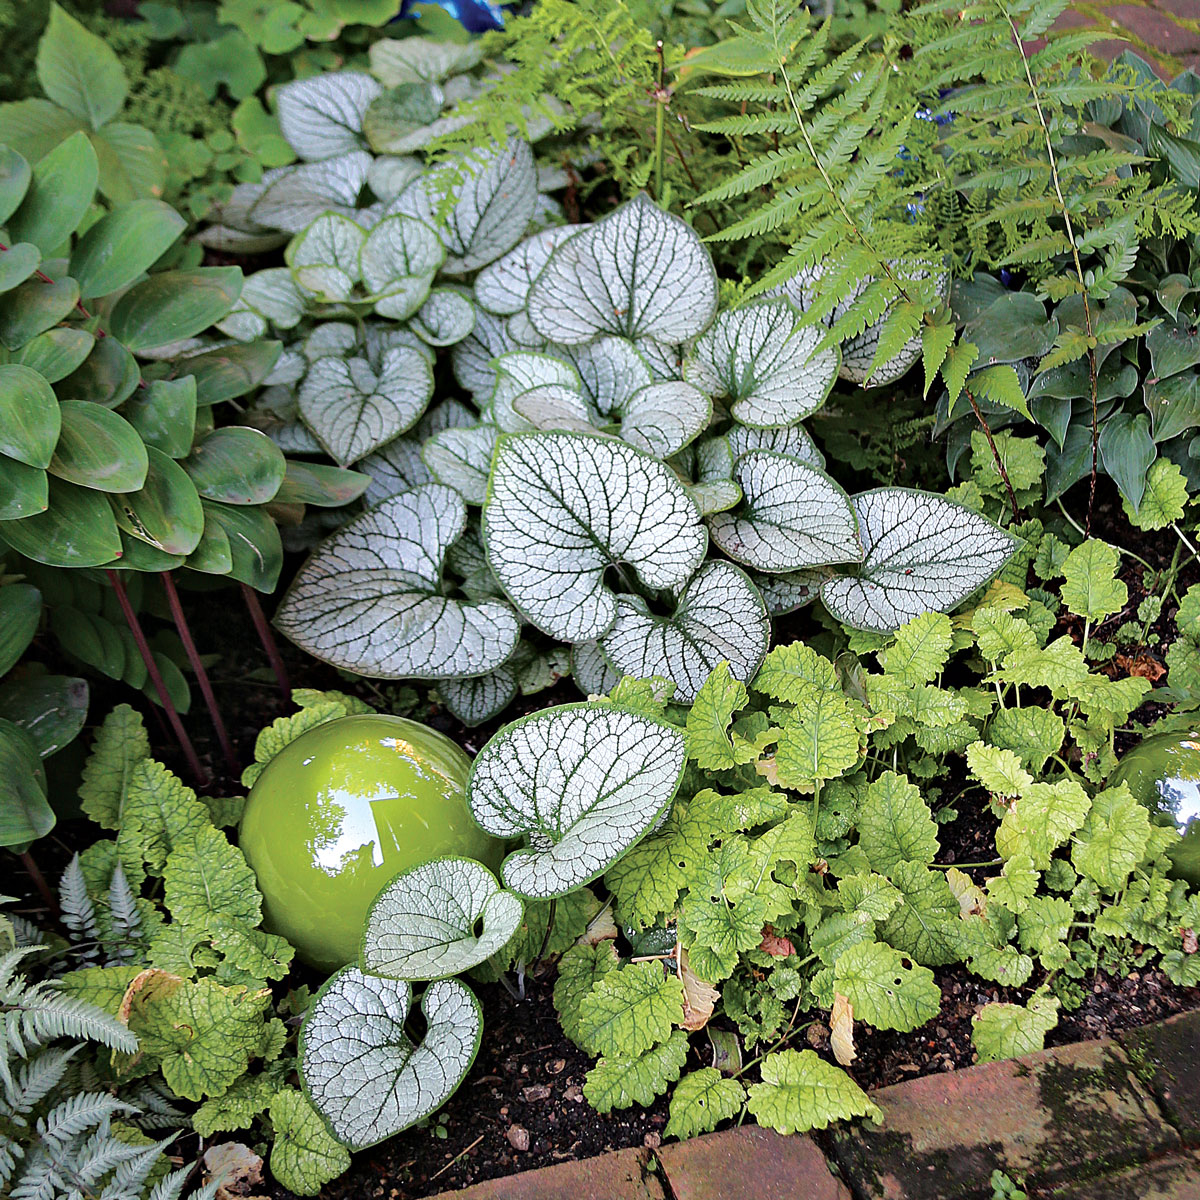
(797, 870)
(619, 428)
(163, 921)
(109, 452)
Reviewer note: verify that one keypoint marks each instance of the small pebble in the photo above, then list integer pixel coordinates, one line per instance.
(652, 1141)
(518, 1137)
(539, 1091)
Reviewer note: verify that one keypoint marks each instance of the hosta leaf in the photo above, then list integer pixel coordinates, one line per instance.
(662, 418)
(354, 408)
(495, 198)
(446, 317)
(793, 516)
(504, 286)
(638, 273)
(719, 617)
(626, 1079)
(322, 116)
(763, 366)
(895, 824)
(423, 924)
(801, 1091)
(324, 258)
(1009, 1030)
(297, 196)
(583, 783)
(885, 989)
(701, 1101)
(924, 553)
(397, 264)
(630, 1010)
(304, 1155)
(369, 599)
(360, 1068)
(563, 508)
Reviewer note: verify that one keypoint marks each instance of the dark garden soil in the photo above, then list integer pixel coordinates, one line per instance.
(522, 1105)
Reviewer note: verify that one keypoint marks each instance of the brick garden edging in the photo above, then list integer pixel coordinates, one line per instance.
(1117, 1119)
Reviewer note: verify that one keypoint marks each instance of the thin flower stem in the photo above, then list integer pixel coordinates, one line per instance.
(991, 441)
(267, 638)
(139, 637)
(210, 700)
(39, 881)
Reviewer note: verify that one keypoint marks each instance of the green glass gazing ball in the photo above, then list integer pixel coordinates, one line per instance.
(1164, 774)
(342, 810)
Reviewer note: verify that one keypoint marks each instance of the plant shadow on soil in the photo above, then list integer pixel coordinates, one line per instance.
(522, 1106)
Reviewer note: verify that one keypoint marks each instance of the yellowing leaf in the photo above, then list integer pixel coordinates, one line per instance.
(1090, 589)
(701, 1101)
(699, 997)
(801, 1091)
(841, 1030)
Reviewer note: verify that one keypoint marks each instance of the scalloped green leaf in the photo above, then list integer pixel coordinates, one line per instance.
(793, 516)
(801, 1091)
(638, 273)
(583, 783)
(361, 1070)
(371, 600)
(354, 407)
(562, 508)
(423, 924)
(720, 616)
(701, 1101)
(924, 553)
(769, 372)
(886, 990)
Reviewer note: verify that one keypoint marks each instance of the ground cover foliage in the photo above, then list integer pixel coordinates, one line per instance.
(760, 374)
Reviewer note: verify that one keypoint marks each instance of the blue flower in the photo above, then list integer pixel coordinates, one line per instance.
(475, 16)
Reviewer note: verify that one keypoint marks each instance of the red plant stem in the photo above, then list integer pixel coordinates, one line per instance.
(39, 881)
(210, 700)
(139, 636)
(268, 639)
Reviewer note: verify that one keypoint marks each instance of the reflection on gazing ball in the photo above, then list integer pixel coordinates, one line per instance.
(1164, 774)
(342, 810)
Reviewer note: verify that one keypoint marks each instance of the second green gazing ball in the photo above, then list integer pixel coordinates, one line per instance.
(1164, 774)
(342, 810)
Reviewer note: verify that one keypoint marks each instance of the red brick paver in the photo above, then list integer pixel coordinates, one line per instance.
(1167, 1179)
(1167, 1056)
(1045, 1118)
(749, 1164)
(623, 1175)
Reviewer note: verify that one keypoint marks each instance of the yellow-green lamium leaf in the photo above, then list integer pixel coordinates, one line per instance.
(629, 1010)
(623, 1080)
(1009, 1030)
(801, 1091)
(579, 970)
(304, 1155)
(121, 743)
(701, 1101)
(1042, 820)
(817, 741)
(885, 990)
(1164, 499)
(1090, 590)
(895, 824)
(341, 811)
(707, 737)
(1113, 839)
(920, 649)
(202, 1034)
